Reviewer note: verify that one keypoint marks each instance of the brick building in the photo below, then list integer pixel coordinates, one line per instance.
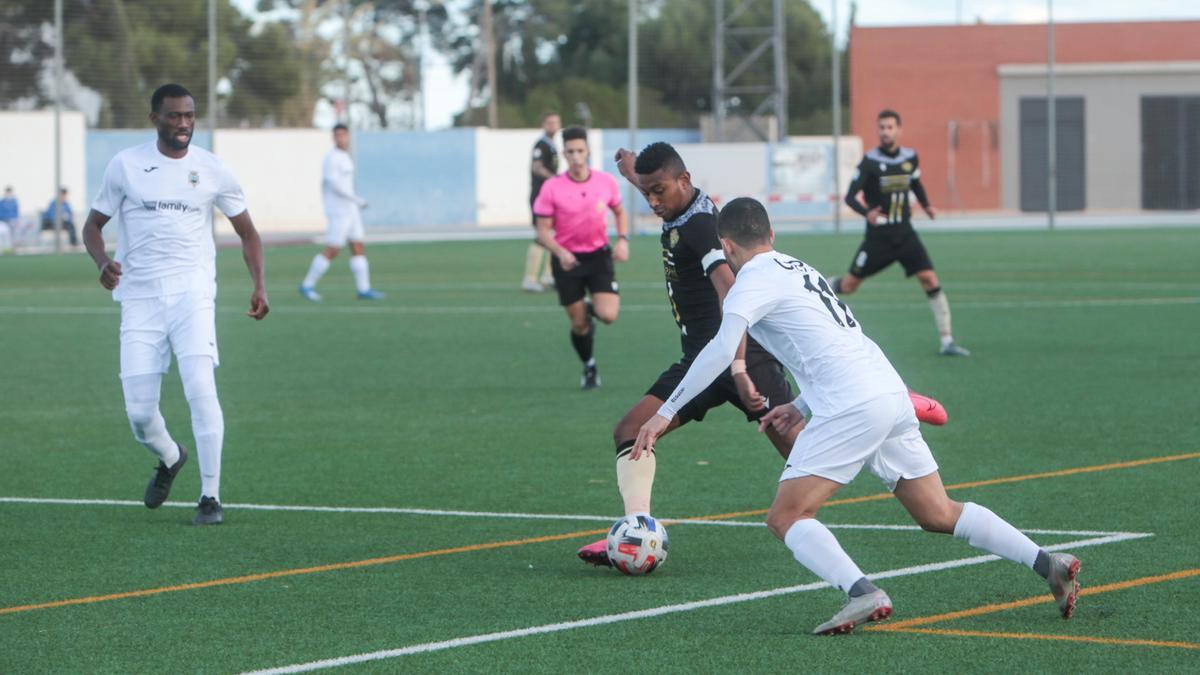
(973, 102)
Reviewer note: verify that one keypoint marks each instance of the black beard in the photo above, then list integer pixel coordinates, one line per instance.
(168, 140)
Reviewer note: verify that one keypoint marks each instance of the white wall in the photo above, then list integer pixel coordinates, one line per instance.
(280, 170)
(27, 162)
(502, 158)
(727, 170)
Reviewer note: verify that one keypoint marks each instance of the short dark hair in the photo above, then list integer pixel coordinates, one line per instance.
(745, 221)
(888, 112)
(659, 156)
(168, 91)
(574, 134)
(340, 127)
(549, 113)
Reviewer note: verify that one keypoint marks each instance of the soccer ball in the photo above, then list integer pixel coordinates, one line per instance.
(637, 545)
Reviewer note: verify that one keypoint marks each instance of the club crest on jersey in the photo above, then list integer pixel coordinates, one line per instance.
(882, 166)
(906, 167)
(673, 238)
(193, 177)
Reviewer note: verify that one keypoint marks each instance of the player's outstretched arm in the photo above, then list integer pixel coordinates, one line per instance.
(252, 253)
(93, 240)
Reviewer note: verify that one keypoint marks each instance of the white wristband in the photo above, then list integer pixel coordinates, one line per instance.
(737, 367)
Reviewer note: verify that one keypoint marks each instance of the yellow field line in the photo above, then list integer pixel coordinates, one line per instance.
(1035, 600)
(981, 483)
(523, 542)
(303, 570)
(1043, 636)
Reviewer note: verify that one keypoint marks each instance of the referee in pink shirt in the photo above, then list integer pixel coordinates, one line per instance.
(572, 223)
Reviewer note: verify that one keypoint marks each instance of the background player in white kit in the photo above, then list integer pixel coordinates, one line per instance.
(164, 276)
(343, 211)
(860, 416)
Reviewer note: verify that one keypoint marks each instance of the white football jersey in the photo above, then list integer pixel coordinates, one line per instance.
(796, 317)
(337, 184)
(164, 208)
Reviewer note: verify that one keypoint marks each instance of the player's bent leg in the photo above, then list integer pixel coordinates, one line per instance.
(635, 480)
(846, 284)
(606, 307)
(939, 305)
(926, 501)
(814, 546)
(784, 442)
(149, 429)
(583, 338)
(208, 426)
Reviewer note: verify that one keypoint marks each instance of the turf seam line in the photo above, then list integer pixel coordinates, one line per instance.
(1126, 642)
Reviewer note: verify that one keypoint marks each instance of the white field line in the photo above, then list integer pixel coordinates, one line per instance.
(555, 309)
(427, 647)
(496, 514)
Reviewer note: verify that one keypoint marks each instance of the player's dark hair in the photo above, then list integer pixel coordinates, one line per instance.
(745, 221)
(549, 113)
(340, 127)
(168, 91)
(574, 134)
(888, 112)
(659, 156)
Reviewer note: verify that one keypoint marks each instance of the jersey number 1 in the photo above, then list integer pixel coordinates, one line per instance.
(826, 294)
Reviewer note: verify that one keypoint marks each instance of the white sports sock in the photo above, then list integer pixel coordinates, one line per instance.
(149, 427)
(316, 270)
(989, 532)
(208, 422)
(635, 480)
(362, 276)
(815, 547)
(940, 306)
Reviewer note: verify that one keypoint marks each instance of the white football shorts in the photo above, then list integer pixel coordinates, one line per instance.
(343, 228)
(883, 434)
(152, 327)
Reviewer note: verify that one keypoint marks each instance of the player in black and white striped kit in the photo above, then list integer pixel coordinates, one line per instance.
(885, 176)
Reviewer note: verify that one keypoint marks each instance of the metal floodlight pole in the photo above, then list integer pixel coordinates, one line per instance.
(632, 96)
(1051, 122)
(718, 98)
(212, 76)
(489, 44)
(58, 87)
(781, 84)
(837, 119)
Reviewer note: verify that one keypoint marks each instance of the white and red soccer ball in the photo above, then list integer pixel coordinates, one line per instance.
(637, 544)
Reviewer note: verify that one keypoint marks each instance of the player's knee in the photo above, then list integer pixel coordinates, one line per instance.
(581, 326)
(780, 520)
(607, 315)
(141, 417)
(199, 382)
(940, 519)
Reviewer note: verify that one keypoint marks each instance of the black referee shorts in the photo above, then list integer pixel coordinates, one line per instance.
(876, 253)
(766, 373)
(594, 274)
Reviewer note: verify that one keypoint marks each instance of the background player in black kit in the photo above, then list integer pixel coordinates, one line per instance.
(885, 176)
(543, 165)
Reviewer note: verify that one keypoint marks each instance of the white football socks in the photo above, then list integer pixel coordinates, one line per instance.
(360, 270)
(149, 427)
(940, 306)
(989, 532)
(635, 480)
(320, 264)
(815, 547)
(208, 422)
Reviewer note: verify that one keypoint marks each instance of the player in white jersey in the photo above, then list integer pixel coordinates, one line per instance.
(164, 275)
(861, 416)
(343, 209)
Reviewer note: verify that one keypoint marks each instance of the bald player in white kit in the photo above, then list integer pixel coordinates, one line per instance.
(164, 276)
(861, 416)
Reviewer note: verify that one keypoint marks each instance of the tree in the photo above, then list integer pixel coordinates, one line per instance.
(23, 51)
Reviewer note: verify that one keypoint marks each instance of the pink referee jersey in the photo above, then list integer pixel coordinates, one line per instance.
(579, 210)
